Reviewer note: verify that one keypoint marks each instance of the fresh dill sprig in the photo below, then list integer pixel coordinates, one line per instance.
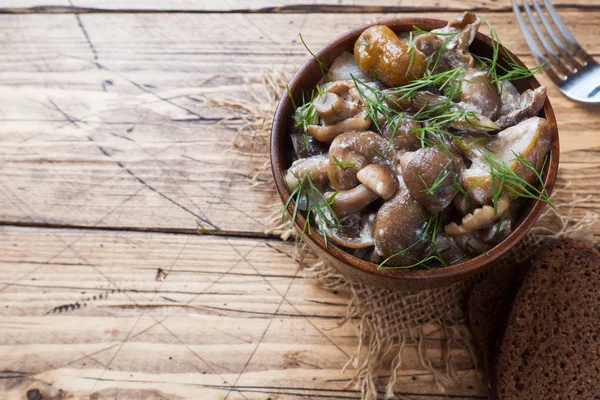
(432, 228)
(380, 103)
(306, 114)
(322, 66)
(344, 165)
(321, 211)
(505, 180)
(445, 81)
(412, 50)
(202, 229)
(374, 102)
(437, 183)
(511, 70)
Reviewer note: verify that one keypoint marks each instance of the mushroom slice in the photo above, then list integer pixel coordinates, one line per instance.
(429, 176)
(339, 110)
(398, 227)
(352, 151)
(350, 201)
(315, 167)
(531, 139)
(379, 179)
(356, 232)
(479, 219)
(530, 103)
(509, 98)
(478, 91)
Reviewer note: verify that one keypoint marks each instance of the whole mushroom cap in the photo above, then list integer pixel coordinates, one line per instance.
(398, 226)
(429, 176)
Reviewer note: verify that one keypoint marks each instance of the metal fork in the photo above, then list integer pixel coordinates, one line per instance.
(574, 71)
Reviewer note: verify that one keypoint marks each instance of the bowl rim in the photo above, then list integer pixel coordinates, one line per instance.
(454, 271)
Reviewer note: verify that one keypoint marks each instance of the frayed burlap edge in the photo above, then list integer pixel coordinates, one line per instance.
(385, 321)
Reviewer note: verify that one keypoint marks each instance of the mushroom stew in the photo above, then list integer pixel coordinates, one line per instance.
(414, 152)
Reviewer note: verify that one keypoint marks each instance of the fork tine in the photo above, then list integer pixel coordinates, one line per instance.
(559, 65)
(535, 49)
(562, 27)
(562, 49)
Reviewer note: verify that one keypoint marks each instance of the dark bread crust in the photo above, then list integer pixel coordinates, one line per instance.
(551, 346)
(488, 308)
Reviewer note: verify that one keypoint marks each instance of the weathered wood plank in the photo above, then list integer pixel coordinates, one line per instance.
(102, 124)
(266, 6)
(83, 311)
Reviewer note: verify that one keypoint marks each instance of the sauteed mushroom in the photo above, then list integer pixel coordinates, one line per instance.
(358, 149)
(379, 179)
(397, 227)
(428, 177)
(480, 218)
(529, 104)
(339, 110)
(402, 133)
(350, 201)
(478, 91)
(315, 167)
(379, 51)
(530, 139)
(356, 231)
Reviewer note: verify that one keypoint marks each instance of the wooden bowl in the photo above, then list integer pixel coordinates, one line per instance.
(406, 279)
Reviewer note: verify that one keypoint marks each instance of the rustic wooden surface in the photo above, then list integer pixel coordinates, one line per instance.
(108, 159)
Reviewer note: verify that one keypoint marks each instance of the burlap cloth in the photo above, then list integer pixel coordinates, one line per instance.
(385, 321)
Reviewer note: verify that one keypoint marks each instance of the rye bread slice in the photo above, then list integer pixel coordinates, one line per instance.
(488, 307)
(551, 346)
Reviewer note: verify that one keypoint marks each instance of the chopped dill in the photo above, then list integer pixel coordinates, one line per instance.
(379, 153)
(324, 69)
(437, 184)
(446, 81)
(344, 165)
(202, 229)
(505, 180)
(498, 72)
(306, 114)
(412, 50)
(306, 192)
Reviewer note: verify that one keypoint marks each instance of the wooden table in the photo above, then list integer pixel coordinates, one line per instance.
(108, 161)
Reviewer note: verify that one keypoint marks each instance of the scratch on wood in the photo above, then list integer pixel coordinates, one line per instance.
(87, 38)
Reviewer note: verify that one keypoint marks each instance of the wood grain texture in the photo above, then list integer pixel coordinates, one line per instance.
(86, 312)
(103, 127)
(267, 6)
